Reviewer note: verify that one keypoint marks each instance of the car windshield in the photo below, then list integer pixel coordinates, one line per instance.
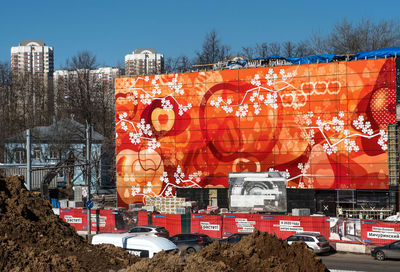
(134, 230)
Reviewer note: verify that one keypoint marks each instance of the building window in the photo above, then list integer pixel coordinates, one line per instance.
(53, 153)
(36, 154)
(19, 155)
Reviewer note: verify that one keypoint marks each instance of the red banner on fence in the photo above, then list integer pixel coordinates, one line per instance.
(75, 218)
(102, 220)
(238, 222)
(379, 232)
(207, 224)
(143, 218)
(282, 225)
(172, 222)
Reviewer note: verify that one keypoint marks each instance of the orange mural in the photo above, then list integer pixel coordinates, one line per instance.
(325, 125)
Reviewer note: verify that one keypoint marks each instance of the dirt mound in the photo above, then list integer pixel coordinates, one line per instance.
(258, 252)
(33, 238)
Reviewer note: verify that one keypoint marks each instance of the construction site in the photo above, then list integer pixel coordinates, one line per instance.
(35, 239)
(269, 147)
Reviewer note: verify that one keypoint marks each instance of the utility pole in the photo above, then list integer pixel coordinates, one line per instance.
(89, 219)
(28, 160)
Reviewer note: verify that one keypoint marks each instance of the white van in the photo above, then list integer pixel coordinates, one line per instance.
(142, 246)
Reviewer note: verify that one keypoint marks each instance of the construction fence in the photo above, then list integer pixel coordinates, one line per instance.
(347, 230)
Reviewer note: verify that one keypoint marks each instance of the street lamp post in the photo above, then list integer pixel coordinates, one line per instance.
(28, 160)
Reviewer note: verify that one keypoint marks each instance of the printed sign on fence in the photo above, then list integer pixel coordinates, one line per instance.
(384, 235)
(206, 223)
(73, 220)
(376, 232)
(208, 226)
(243, 225)
(101, 222)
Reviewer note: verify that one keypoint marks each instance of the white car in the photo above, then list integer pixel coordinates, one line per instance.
(150, 230)
(142, 246)
(314, 241)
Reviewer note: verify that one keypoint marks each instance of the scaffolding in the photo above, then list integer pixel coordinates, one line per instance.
(365, 213)
(393, 153)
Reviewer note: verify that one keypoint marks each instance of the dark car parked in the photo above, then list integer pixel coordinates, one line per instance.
(390, 251)
(150, 230)
(191, 242)
(205, 238)
(234, 238)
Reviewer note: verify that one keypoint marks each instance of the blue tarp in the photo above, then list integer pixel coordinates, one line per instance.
(294, 60)
(388, 52)
(311, 59)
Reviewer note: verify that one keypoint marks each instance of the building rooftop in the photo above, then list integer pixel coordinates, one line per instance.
(58, 131)
(140, 50)
(32, 42)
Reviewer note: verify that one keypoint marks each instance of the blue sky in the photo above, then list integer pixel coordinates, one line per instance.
(112, 29)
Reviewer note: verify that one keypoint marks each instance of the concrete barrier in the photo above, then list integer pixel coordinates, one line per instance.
(353, 248)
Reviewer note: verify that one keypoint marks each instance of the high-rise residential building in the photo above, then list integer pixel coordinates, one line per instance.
(32, 67)
(102, 75)
(107, 75)
(32, 57)
(143, 62)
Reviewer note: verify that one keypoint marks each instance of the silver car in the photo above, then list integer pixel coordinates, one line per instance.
(314, 241)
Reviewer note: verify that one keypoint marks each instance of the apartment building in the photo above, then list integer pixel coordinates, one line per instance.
(32, 57)
(105, 75)
(144, 62)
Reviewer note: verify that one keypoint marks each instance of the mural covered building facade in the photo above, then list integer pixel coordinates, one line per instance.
(325, 125)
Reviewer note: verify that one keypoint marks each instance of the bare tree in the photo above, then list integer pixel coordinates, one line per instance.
(24, 100)
(171, 65)
(5, 111)
(274, 48)
(121, 66)
(212, 50)
(81, 87)
(83, 60)
(248, 52)
(257, 51)
(83, 94)
(347, 37)
(288, 49)
(185, 64)
(262, 50)
(179, 64)
(303, 49)
(5, 73)
(318, 43)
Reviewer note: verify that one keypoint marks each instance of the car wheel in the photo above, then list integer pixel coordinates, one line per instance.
(380, 256)
(190, 250)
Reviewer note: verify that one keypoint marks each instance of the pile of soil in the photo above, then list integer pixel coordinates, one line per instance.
(33, 238)
(258, 252)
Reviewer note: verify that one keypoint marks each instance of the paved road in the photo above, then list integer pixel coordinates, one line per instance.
(359, 262)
